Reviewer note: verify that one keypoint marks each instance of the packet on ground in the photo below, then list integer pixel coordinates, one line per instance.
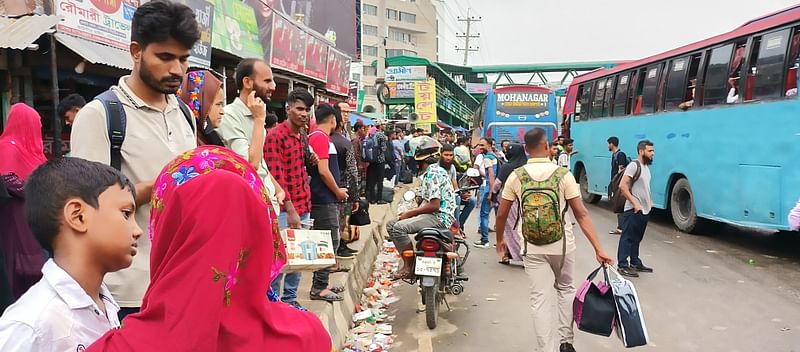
(308, 250)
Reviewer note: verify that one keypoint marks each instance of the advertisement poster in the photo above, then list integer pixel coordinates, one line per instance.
(316, 58)
(406, 73)
(425, 102)
(102, 21)
(201, 52)
(264, 15)
(288, 45)
(338, 72)
(336, 20)
(400, 89)
(235, 29)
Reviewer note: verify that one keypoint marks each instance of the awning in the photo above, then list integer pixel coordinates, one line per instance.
(21, 32)
(97, 53)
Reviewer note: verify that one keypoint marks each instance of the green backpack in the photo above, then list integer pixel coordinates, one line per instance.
(540, 208)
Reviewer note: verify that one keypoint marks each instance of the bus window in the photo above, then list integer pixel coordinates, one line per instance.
(715, 84)
(584, 101)
(768, 67)
(599, 98)
(621, 95)
(676, 85)
(609, 105)
(649, 94)
(792, 64)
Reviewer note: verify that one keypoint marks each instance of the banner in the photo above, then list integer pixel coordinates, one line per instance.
(316, 58)
(201, 52)
(425, 102)
(406, 73)
(288, 45)
(103, 21)
(478, 88)
(335, 20)
(400, 90)
(338, 72)
(235, 29)
(264, 16)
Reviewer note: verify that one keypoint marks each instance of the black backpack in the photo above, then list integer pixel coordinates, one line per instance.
(615, 197)
(117, 121)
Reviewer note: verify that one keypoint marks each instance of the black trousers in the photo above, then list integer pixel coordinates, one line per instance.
(375, 174)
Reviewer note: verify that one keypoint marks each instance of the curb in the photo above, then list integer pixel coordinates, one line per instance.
(336, 317)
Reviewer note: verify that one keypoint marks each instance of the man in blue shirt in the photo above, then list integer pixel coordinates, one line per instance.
(487, 162)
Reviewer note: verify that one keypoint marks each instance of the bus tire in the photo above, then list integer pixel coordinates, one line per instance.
(682, 207)
(588, 197)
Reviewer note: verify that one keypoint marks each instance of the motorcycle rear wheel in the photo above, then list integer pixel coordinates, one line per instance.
(431, 306)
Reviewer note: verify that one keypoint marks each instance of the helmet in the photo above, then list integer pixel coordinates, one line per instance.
(427, 149)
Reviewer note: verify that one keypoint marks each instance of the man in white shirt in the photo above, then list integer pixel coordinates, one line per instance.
(564, 158)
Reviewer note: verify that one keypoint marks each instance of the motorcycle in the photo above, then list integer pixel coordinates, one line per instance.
(439, 257)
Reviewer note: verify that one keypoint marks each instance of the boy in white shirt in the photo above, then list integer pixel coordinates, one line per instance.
(81, 212)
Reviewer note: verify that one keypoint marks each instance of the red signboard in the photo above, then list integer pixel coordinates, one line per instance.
(338, 70)
(288, 45)
(316, 58)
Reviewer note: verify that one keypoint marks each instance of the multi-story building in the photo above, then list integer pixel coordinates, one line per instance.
(394, 28)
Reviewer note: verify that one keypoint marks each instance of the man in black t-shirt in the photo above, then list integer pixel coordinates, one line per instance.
(618, 163)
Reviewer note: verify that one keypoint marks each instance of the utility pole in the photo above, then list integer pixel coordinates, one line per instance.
(467, 36)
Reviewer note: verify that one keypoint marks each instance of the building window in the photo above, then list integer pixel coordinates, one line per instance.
(370, 30)
(408, 17)
(370, 10)
(391, 14)
(370, 70)
(402, 36)
(400, 52)
(370, 50)
(356, 76)
(369, 90)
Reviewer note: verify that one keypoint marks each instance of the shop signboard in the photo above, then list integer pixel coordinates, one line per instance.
(478, 88)
(288, 45)
(406, 73)
(400, 90)
(103, 21)
(338, 72)
(425, 102)
(264, 18)
(201, 52)
(235, 29)
(316, 58)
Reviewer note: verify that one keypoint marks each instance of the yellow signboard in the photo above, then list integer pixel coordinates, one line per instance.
(425, 102)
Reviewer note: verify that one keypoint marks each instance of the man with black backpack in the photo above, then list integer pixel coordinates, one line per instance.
(618, 163)
(635, 187)
(545, 191)
(140, 125)
(375, 153)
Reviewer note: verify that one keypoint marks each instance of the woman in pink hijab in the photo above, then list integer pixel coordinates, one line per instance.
(21, 146)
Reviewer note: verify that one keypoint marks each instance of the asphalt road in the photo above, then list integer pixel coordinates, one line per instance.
(729, 290)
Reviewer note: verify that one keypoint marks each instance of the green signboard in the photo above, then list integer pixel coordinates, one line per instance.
(235, 29)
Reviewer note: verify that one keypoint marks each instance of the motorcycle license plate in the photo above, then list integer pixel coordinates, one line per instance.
(428, 266)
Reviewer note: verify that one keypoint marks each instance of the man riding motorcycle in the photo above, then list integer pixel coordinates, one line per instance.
(438, 202)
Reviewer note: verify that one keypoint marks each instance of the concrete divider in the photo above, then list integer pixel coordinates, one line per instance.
(337, 316)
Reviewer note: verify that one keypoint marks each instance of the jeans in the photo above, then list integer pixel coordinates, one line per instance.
(326, 217)
(375, 174)
(633, 227)
(291, 281)
(400, 229)
(463, 215)
(486, 208)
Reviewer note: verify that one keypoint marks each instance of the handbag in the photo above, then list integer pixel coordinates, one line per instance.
(630, 325)
(593, 308)
(360, 217)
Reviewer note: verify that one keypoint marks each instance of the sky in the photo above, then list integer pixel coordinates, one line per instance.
(537, 31)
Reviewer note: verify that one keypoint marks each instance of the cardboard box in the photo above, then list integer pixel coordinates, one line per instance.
(308, 250)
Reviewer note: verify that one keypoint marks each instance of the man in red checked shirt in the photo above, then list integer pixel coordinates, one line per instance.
(284, 152)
